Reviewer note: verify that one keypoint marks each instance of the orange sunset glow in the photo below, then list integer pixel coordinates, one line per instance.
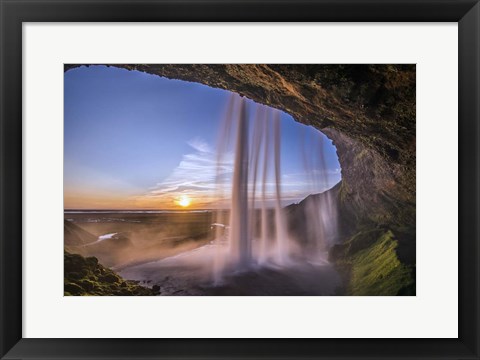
(184, 201)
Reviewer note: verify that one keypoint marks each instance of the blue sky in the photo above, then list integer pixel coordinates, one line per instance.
(132, 138)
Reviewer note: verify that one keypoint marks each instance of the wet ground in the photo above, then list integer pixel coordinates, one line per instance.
(190, 274)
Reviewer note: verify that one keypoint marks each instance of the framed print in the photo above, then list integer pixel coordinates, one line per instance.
(237, 179)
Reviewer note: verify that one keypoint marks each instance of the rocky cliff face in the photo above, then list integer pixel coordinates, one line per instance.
(368, 111)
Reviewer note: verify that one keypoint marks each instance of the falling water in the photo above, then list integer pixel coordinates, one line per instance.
(240, 249)
(257, 234)
(320, 210)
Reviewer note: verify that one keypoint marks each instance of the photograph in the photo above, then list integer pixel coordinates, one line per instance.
(239, 179)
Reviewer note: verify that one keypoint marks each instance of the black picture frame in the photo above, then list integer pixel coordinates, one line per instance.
(15, 12)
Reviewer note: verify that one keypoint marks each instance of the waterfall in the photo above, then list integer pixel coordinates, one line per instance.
(257, 233)
(320, 210)
(240, 241)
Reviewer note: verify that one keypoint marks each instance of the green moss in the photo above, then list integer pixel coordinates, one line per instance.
(86, 277)
(73, 288)
(372, 267)
(378, 271)
(88, 285)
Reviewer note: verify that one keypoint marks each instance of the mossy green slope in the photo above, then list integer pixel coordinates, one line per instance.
(371, 265)
(86, 277)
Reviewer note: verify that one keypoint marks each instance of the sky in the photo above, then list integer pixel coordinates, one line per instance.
(138, 141)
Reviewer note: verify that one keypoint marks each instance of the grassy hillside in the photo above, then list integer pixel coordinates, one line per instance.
(371, 265)
(75, 238)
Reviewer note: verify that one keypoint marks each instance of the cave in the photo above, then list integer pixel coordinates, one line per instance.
(368, 111)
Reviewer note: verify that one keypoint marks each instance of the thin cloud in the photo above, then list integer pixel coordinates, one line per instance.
(200, 145)
(197, 174)
(207, 179)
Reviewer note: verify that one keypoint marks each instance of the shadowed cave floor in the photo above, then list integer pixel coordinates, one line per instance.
(189, 274)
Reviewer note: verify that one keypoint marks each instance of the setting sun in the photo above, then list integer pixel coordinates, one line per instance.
(184, 201)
